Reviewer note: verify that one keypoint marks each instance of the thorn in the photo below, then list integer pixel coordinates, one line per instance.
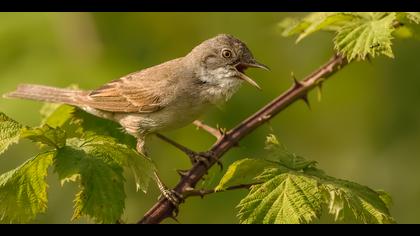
(319, 91)
(174, 217)
(219, 163)
(306, 100)
(296, 83)
(222, 131)
(182, 173)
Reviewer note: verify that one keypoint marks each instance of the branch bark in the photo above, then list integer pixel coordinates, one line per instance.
(164, 209)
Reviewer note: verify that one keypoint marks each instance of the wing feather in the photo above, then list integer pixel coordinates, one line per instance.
(125, 95)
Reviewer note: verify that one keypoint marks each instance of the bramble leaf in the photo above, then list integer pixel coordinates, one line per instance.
(46, 135)
(279, 154)
(56, 115)
(292, 190)
(101, 194)
(97, 163)
(242, 172)
(283, 198)
(359, 35)
(9, 132)
(23, 191)
(366, 36)
(362, 203)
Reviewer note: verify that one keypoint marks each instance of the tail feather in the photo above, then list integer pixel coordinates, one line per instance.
(47, 94)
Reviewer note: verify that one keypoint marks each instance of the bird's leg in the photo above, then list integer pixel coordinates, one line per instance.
(174, 197)
(218, 132)
(203, 157)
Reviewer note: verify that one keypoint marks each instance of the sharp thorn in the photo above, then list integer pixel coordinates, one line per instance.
(306, 100)
(174, 217)
(319, 91)
(296, 83)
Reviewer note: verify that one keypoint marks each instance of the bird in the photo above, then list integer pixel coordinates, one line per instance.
(162, 97)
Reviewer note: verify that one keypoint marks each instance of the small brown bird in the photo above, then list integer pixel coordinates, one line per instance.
(166, 96)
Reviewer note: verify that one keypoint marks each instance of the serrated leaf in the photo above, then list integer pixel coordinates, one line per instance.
(242, 172)
(279, 154)
(364, 204)
(385, 197)
(313, 22)
(101, 194)
(9, 132)
(53, 137)
(90, 123)
(324, 21)
(370, 35)
(140, 166)
(23, 191)
(56, 115)
(97, 162)
(294, 191)
(283, 198)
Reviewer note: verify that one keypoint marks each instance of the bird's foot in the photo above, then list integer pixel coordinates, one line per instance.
(172, 196)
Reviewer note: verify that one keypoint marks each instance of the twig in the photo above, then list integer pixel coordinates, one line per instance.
(163, 208)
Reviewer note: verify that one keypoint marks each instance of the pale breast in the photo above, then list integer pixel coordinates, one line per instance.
(176, 115)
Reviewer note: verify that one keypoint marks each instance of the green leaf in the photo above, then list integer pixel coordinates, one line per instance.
(101, 194)
(370, 35)
(283, 198)
(53, 137)
(9, 132)
(242, 172)
(364, 204)
(56, 115)
(97, 163)
(76, 122)
(140, 166)
(279, 154)
(313, 22)
(23, 191)
(359, 34)
(292, 190)
(90, 123)
(324, 20)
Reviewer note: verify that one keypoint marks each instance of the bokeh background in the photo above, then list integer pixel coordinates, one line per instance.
(366, 128)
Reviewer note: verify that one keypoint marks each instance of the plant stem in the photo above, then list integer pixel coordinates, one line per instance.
(163, 208)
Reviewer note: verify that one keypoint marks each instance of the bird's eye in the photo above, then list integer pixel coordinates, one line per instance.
(226, 53)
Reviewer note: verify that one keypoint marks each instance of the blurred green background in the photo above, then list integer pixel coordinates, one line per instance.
(366, 127)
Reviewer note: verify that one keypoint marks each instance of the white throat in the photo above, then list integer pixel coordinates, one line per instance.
(220, 84)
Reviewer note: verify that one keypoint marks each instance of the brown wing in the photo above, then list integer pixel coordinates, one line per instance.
(125, 95)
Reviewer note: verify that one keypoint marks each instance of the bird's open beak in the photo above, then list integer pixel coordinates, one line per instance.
(254, 64)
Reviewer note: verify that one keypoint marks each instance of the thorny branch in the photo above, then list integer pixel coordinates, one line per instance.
(164, 209)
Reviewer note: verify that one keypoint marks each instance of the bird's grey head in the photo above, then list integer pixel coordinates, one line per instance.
(225, 57)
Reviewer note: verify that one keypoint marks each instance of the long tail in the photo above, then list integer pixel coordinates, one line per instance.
(47, 94)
